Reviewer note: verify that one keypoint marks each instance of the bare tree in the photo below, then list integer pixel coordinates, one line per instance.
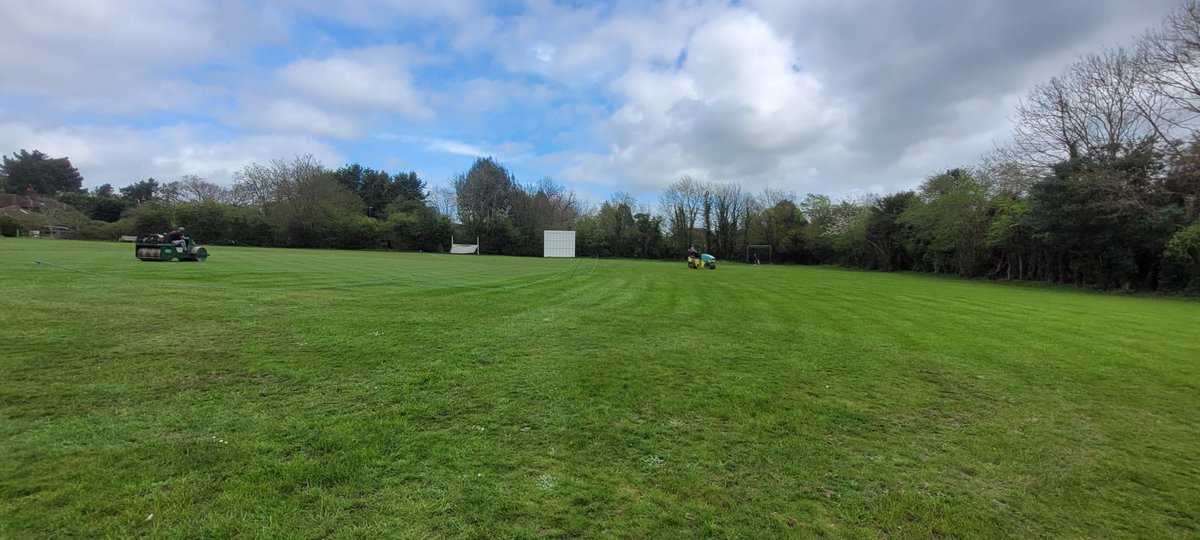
(729, 204)
(295, 196)
(445, 201)
(1099, 105)
(682, 203)
(260, 185)
(555, 206)
(192, 188)
(1169, 62)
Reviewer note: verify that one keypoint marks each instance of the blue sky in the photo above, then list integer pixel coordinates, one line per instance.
(826, 96)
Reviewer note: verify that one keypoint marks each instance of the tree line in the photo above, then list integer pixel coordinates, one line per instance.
(1099, 187)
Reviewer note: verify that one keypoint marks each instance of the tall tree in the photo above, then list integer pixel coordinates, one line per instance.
(1169, 61)
(729, 205)
(1096, 219)
(300, 199)
(682, 203)
(485, 196)
(104, 190)
(192, 188)
(618, 224)
(1097, 106)
(408, 187)
(885, 231)
(949, 223)
(34, 171)
(140, 192)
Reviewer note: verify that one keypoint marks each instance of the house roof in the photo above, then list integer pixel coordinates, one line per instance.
(13, 210)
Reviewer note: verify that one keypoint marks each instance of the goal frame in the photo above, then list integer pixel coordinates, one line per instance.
(477, 251)
(770, 251)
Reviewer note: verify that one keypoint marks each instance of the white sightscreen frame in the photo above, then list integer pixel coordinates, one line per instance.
(558, 244)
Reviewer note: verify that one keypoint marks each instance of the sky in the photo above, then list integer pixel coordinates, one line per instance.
(840, 97)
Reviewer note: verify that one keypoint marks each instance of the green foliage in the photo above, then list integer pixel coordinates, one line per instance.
(98, 207)
(590, 239)
(9, 226)
(151, 220)
(1181, 260)
(35, 172)
(948, 224)
(140, 192)
(411, 225)
(885, 232)
(818, 213)
(648, 231)
(104, 190)
(1009, 234)
(485, 196)
(616, 221)
(352, 232)
(784, 227)
(1096, 219)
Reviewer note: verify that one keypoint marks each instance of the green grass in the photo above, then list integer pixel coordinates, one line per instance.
(295, 393)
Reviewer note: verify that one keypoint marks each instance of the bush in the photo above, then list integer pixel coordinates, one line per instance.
(1181, 261)
(352, 232)
(150, 220)
(9, 226)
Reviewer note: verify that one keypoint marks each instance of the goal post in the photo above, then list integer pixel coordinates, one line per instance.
(464, 249)
(758, 254)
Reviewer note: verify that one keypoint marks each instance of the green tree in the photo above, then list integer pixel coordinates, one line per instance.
(616, 221)
(485, 195)
(417, 227)
(104, 190)
(948, 224)
(1096, 219)
(886, 233)
(408, 187)
(1181, 260)
(34, 171)
(100, 208)
(649, 233)
(140, 192)
(299, 198)
(1009, 234)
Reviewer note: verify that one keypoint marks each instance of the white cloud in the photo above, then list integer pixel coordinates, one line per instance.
(123, 57)
(293, 116)
(584, 46)
(737, 109)
(121, 155)
(454, 147)
(389, 13)
(816, 95)
(504, 152)
(375, 78)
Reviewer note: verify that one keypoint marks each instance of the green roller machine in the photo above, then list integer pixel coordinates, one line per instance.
(158, 248)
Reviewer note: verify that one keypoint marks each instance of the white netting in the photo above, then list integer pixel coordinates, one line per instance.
(464, 248)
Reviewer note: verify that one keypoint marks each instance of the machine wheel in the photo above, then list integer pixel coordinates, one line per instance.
(198, 254)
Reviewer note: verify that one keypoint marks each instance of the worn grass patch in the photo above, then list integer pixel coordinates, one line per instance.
(272, 392)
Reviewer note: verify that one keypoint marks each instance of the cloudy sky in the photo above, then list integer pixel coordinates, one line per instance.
(826, 96)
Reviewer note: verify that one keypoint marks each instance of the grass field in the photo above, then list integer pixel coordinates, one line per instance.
(296, 393)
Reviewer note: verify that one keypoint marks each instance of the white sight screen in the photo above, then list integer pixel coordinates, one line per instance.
(559, 244)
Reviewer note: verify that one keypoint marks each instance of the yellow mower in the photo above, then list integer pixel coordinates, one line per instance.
(705, 261)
